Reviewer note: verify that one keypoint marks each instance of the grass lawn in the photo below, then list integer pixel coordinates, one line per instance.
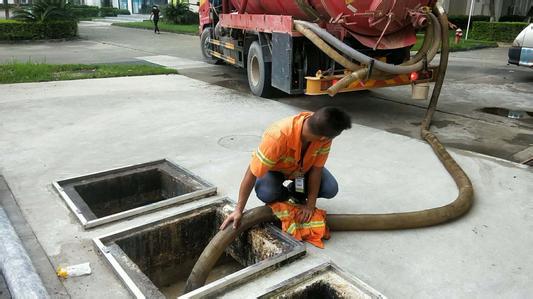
(187, 29)
(17, 72)
(463, 45)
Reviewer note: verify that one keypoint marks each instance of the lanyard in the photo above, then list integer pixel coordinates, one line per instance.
(302, 157)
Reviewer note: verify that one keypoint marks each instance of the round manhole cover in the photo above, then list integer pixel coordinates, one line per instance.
(241, 143)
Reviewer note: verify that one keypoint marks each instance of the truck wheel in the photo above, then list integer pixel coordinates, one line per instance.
(205, 45)
(259, 72)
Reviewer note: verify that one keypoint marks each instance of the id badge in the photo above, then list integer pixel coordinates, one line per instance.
(299, 184)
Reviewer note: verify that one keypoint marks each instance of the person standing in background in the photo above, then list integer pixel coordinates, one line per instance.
(154, 16)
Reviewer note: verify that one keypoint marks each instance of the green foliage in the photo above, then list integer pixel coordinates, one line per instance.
(463, 45)
(165, 27)
(123, 12)
(180, 14)
(45, 11)
(13, 6)
(462, 21)
(17, 72)
(17, 30)
(85, 11)
(108, 11)
(498, 32)
(106, 3)
(512, 18)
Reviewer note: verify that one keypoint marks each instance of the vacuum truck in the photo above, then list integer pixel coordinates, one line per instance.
(322, 47)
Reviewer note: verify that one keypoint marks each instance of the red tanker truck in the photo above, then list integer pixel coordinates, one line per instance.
(318, 46)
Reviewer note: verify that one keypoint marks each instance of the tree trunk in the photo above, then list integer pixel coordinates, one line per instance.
(492, 8)
(6, 7)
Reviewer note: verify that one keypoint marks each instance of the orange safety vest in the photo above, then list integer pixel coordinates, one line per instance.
(280, 149)
(313, 231)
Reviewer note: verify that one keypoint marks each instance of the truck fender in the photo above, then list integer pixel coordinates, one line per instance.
(265, 40)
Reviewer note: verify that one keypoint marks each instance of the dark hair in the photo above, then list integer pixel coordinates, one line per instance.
(329, 122)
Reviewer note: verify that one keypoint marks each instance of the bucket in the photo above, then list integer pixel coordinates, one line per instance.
(420, 91)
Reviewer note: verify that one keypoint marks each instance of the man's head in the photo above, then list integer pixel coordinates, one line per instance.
(328, 123)
(155, 7)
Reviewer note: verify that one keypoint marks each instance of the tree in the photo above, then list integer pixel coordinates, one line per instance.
(6, 7)
(492, 8)
(45, 10)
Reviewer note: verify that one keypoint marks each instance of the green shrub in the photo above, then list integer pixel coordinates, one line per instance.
(17, 30)
(85, 11)
(462, 21)
(512, 18)
(13, 6)
(108, 11)
(44, 11)
(123, 12)
(498, 32)
(180, 14)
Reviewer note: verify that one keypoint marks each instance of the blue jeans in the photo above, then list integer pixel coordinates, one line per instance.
(269, 188)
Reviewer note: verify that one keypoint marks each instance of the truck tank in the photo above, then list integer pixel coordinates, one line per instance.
(381, 24)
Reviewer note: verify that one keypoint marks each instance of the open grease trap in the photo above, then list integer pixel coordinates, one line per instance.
(326, 281)
(155, 259)
(115, 194)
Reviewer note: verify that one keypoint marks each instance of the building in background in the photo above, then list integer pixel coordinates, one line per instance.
(134, 6)
(453, 7)
(482, 7)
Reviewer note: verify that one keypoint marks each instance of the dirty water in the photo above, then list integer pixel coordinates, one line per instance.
(224, 268)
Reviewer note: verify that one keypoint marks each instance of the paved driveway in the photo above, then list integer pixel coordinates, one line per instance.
(476, 80)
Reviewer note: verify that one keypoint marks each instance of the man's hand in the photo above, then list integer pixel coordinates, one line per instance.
(304, 214)
(234, 217)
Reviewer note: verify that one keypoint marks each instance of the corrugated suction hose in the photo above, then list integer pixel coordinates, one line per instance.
(347, 222)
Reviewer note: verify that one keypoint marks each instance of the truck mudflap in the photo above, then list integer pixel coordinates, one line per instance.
(318, 84)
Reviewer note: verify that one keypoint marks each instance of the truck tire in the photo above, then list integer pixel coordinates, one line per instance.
(259, 72)
(204, 44)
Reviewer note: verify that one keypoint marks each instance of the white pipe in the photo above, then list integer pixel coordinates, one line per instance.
(469, 17)
(21, 278)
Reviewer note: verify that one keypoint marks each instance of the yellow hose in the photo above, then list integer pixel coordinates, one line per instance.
(348, 222)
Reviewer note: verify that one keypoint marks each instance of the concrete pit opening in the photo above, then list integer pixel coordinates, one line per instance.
(158, 257)
(112, 195)
(326, 281)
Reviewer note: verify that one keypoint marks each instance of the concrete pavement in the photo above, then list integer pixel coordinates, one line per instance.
(475, 80)
(102, 43)
(57, 130)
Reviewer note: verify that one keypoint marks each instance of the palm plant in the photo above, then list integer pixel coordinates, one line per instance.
(45, 10)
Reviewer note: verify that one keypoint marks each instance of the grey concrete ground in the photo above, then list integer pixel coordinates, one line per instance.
(475, 80)
(51, 131)
(56, 130)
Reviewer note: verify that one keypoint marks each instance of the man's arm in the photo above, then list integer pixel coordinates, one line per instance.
(247, 184)
(306, 212)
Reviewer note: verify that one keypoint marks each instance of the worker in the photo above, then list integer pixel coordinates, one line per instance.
(154, 16)
(294, 151)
